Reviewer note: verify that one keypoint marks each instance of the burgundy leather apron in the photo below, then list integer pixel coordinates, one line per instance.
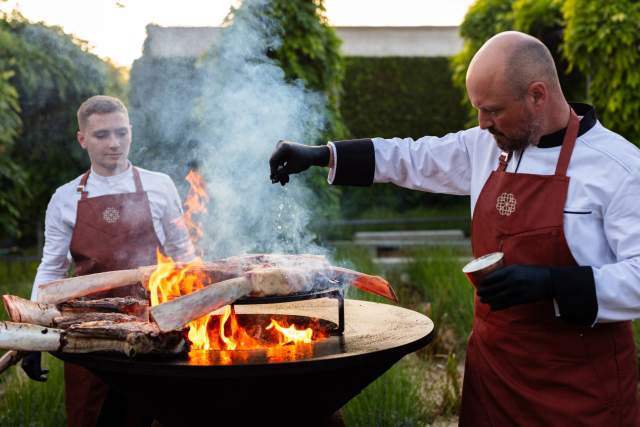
(112, 232)
(525, 366)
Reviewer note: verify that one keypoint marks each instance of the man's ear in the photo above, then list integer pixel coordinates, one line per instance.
(538, 93)
(80, 138)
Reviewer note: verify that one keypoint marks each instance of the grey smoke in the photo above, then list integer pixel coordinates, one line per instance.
(245, 106)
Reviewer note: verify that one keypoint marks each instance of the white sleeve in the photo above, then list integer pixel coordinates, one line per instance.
(438, 165)
(55, 254)
(177, 243)
(332, 170)
(618, 284)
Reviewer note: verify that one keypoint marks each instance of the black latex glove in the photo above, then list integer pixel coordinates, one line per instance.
(291, 157)
(32, 367)
(514, 285)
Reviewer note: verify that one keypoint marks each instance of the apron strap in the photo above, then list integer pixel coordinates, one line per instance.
(136, 179)
(83, 184)
(568, 143)
(503, 160)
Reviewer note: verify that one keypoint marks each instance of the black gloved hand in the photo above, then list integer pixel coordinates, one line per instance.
(291, 157)
(31, 366)
(514, 285)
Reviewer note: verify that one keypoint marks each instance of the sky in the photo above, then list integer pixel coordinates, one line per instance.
(115, 29)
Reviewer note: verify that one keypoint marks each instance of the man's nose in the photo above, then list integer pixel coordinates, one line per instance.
(484, 120)
(114, 141)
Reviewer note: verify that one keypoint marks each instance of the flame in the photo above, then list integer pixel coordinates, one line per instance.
(291, 334)
(216, 331)
(195, 203)
(169, 281)
(213, 331)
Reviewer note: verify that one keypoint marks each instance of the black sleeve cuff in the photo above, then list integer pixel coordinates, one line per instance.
(575, 292)
(356, 162)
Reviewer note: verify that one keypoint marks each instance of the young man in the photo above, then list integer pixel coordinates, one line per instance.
(557, 193)
(114, 216)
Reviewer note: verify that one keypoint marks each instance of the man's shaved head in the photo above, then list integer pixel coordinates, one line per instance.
(513, 83)
(530, 61)
(518, 59)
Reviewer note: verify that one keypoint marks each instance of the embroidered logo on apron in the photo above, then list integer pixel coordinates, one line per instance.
(110, 215)
(506, 204)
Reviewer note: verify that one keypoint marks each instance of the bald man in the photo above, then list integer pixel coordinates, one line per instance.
(557, 193)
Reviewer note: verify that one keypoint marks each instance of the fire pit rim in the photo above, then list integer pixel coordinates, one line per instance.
(170, 367)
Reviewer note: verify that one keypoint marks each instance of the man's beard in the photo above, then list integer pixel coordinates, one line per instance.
(519, 140)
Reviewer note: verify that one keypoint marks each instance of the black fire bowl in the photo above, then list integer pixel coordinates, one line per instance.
(269, 386)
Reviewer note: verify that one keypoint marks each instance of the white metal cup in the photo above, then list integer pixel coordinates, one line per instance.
(479, 268)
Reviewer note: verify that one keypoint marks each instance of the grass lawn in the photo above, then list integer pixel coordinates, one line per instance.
(23, 402)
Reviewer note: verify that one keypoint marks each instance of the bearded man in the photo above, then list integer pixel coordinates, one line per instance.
(557, 193)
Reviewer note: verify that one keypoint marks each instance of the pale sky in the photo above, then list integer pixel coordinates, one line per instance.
(116, 28)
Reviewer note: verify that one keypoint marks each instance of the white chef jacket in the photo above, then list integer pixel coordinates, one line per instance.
(601, 214)
(60, 218)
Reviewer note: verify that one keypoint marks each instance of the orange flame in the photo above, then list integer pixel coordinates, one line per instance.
(169, 281)
(195, 203)
(219, 332)
(291, 334)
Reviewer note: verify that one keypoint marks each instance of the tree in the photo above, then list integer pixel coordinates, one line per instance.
(541, 18)
(12, 178)
(52, 73)
(602, 40)
(310, 51)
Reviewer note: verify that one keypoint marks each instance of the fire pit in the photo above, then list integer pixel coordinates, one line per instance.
(299, 384)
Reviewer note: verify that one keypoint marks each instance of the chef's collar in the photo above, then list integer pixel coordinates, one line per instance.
(113, 178)
(588, 121)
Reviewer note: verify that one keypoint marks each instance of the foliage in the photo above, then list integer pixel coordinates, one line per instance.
(11, 175)
(437, 275)
(404, 97)
(601, 40)
(541, 18)
(25, 402)
(310, 51)
(392, 400)
(53, 73)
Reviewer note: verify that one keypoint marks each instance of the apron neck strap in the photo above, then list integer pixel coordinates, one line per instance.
(136, 179)
(81, 188)
(504, 160)
(568, 143)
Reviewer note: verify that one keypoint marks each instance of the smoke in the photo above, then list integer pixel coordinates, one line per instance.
(246, 106)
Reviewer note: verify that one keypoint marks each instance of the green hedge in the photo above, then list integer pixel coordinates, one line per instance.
(404, 97)
(407, 97)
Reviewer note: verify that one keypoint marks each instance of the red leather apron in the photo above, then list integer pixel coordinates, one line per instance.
(525, 366)
(112, 232)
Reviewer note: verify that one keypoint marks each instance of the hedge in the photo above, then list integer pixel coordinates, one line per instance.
(404, 97)
(400, 96)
